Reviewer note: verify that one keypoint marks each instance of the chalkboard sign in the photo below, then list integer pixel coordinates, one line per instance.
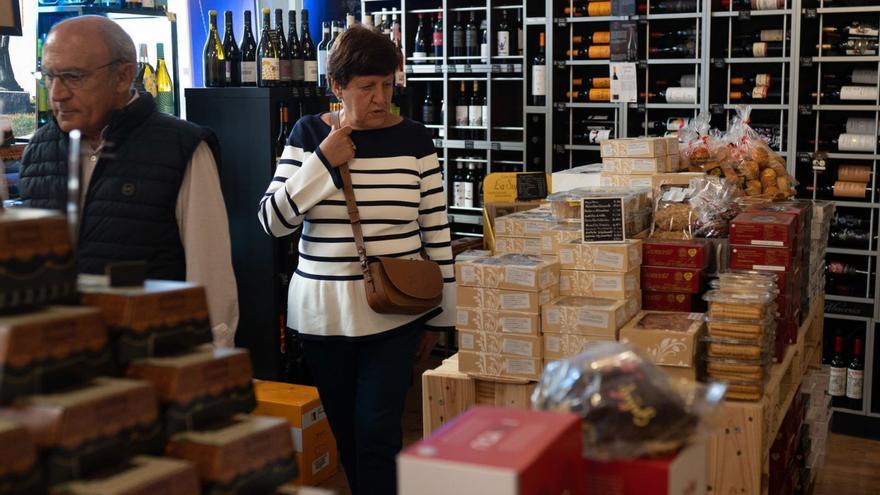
(603, 220)
(531, 186)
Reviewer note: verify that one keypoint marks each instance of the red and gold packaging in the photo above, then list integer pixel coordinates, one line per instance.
(667, 278)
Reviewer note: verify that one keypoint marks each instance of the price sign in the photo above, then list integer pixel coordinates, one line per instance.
(531, 185)
(496, 68)
(495, 145)
(603, 220)
(716, 108)
(806, 61)
(718, 63)
(805, 109)
(468, 145)
(641, 107)
(810, 13)
(745, 15)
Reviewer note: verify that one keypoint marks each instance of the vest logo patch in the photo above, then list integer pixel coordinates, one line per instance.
(128, 189)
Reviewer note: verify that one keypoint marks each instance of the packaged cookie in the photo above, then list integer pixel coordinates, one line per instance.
(746, 391)
(739, 304)
(747, 281)
(737, 370)
(736, 349)
(741, 329)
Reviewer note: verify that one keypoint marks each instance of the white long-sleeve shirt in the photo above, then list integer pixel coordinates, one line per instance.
(398, 185)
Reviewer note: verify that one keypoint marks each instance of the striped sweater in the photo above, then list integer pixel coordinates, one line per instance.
(398, 186)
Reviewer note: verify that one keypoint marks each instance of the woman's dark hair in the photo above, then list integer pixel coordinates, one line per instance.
(360, 51)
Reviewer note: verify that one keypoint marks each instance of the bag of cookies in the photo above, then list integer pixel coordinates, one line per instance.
(714, 205)
(758, 170)
(629, 407)
(699, 148)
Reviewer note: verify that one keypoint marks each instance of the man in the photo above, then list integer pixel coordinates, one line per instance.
(150, 185)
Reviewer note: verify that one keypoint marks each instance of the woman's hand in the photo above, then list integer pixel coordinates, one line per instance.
(337, 147)
(426, 345)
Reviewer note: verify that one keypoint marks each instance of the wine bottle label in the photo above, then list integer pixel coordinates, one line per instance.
(400, 78)
(484, 52)
(297, 70)
(428, 114)
(772, 35)
(484, 118)
(688, 80)
(837, 382)
(599, 51)
(475, 115)
(600, 94)
(248, 72)
(539, 72)
(858, 93)
(860, 125)
(681, 95)
(856, 142)
(285, 68)
(676, 123)
(150, 86)
(310, 71)
(165, 102)
(759, 49)
(457, 40)
(599, 9)
(519, 39)
(458, 195)
(768, 4)
(461, 115)
(602, 37)
(763, 80)
(437, 39)
(503, 43)
(854, 173)
(860, 30)
(269, 70)
(468, 193)
(470, 38)
(599, 135)
(322, 63)
(601, 82)
(759, 93)
(861, 47)
(864, 76)
(854, 381)
(844, 189)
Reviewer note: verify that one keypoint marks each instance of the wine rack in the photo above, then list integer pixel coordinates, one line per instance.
(498, 140)
(838, 159)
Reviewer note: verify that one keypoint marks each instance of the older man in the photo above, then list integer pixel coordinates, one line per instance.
(150, 185)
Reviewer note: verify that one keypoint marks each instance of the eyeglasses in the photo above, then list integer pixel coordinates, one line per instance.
(72, 79)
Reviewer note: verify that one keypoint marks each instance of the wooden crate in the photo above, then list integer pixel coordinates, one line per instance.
(447, 392)
(738, 451)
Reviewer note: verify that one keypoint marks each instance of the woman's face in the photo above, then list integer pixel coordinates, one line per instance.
(366, 100)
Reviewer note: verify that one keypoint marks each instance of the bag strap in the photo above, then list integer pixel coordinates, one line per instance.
(353, 213)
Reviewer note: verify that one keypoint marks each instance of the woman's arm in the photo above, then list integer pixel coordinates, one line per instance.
(302, 180)
(436, 237)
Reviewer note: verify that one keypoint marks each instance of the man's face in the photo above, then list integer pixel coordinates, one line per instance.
(87, 85)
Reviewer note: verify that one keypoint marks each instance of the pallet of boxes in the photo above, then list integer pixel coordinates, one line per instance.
(117, 390)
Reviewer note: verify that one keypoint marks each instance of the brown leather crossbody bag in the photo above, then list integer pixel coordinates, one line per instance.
(393, 285)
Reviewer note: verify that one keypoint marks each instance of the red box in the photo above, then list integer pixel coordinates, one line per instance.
(676, 474)
(681, 254)
(761, 258)
(667, 278)
(672, 301)
(797, 210)
(488, 450)
(760, 228)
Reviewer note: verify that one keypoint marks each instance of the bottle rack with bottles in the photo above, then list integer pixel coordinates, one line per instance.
(755, 63)
(837, 159)
(465, 82)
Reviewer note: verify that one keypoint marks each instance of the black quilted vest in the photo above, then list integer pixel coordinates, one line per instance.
(129, 212)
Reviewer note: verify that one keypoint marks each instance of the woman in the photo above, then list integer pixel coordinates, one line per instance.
(361, 360)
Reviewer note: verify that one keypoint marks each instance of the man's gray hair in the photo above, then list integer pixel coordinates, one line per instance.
(117, 41)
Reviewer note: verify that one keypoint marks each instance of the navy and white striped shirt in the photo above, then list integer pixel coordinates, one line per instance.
(398, 185)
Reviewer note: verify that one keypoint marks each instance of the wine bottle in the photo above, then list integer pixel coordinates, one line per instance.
(840, 268)
(850, 173)
(591, 52)
(855, 29)
(857, 76)
(267, 55)
(322, 54)
(349, 20)
(43, 112)
(681, 50)
(842, 189)
(539, 73)
(458, 186)
(471, 37)
(475, 112)
(837, 375)
(461, 109)
(283, 130)
(310, 55)
(850, 142)
(855, 374)
(758, 49)
(468, 183)
(766, 35)
(479, 175)
(756, 93)
(419, 51)
(673, 35)
(285, 59)
(594, 94)
(248, 53)
(591, 9)
(520, 49)
(395, 30)
(164, 87)
(673, 95)
(848, 93)
(851, 46)
(753, 4)
(146, 78)
(458, 42)
(437, 39)
(429, 108)
(484, 41)
(503, 36)
(213, 59)
(594, 82)
(851, 237)
(594, 38)
(850, 221)
(675, 6)
(232, 53)
(297, 74)
(763, 79)
(670, 124)
(594, 136)
(336, 30)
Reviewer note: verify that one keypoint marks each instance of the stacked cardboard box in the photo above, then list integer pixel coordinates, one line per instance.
(499, 313)
(790, 449)
(672, 340)
(520, 233)
(674, 274)
(634, 162)
(820, 228)
(818, 417)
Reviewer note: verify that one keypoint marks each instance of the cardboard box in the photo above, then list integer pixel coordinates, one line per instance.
(683, 254)
(559, 235)
(495, 365)
(518, 245)
(18, 460)
(626, 181)
(683, 473)
(639, 147)
(667, 278)
(504, 300)
(508, 271)
(691, 374)
(497, 451)
(761, 258)
(588, 316)
(142, 476)
(576, 177)
(254, 450)
(672, 301)
(529, 346)
(489, 321)
(160, 318)
(760, 228)
(670, 339)
(51, 349)
(530, 223)
(641, 166)
(199, 388)
(607, 285)
(561, 346)
(610, 257)
(313, 440)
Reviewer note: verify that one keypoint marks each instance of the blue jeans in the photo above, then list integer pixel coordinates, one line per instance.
(363, 386)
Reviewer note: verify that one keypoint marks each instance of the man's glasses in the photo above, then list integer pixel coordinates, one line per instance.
(72, 79)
